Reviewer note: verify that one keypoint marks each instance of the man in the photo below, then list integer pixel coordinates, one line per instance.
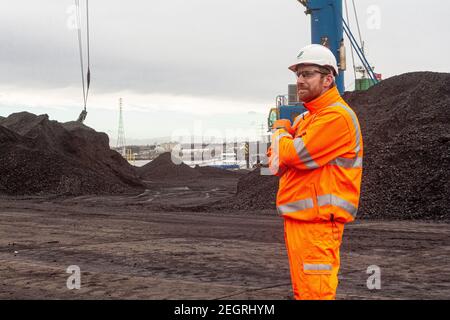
(319, 161)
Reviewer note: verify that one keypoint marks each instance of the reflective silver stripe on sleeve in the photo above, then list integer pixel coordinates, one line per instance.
(319, 266)
(297, 120)
(303, 154)
(331, 199)
(275, 162)
(347, 163)
(296, 206)
(355, 124)
(277, 140)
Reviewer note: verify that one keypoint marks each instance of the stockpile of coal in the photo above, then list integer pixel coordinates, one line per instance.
(254, 192)
(165, 168)
(405, 122)
(40, 156)
(215, 172)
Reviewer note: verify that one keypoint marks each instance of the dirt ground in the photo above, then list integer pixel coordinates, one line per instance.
(127, 248)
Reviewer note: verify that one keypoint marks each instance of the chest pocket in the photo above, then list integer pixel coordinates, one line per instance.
(302, 123)
(300, 133)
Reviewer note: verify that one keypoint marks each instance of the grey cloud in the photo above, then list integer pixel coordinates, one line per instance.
(233, 49)
(175, 47)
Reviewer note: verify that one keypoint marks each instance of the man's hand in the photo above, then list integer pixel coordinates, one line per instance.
(276, 165)
(269, 152)
(283, 124)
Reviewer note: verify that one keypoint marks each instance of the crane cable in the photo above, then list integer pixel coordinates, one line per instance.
(357, 24)
(85, 84)
(361, 42)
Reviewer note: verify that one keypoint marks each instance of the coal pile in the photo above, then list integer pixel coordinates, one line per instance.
(164, 169)
(405, 122)
(40, 156)
(254, 192)
(214, 172)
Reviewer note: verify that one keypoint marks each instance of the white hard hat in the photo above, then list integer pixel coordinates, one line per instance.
(316, 54)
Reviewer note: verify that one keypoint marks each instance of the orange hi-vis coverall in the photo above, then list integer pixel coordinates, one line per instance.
(320, 168)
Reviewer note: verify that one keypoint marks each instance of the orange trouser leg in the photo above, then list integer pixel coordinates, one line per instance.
(313, 251)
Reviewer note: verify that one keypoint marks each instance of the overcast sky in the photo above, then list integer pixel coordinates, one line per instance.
(192, 65)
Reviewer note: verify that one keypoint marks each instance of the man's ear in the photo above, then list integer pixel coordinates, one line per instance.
(328, 80)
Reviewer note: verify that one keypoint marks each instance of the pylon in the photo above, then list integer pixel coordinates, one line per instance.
(121, 132)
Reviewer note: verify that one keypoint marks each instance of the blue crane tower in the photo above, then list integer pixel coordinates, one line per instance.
(327, 30)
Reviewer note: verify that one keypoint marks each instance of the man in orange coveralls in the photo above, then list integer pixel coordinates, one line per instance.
(319, 161)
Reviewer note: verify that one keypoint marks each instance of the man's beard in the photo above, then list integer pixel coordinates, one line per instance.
(306, 94)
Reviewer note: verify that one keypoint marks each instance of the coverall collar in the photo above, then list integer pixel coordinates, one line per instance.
(327, 98)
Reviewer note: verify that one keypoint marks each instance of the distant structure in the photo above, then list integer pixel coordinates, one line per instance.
(121, 132)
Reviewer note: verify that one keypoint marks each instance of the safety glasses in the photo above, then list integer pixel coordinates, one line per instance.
(308, 74)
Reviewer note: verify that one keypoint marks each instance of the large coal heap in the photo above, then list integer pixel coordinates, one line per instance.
(254, 192)
(215, 172)
(40, 156)
(405, 123)
(163, 168)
